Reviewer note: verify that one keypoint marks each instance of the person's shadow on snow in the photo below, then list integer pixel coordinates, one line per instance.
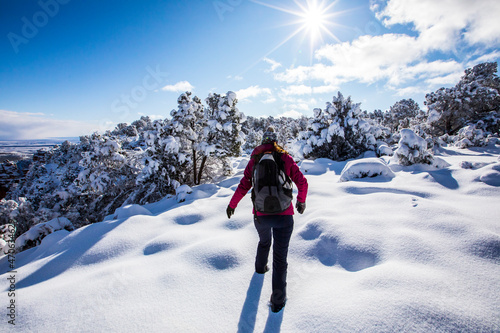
(249, 312)
(250, 307)
(274, 321)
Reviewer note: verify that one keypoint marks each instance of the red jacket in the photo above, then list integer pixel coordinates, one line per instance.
(291, 169)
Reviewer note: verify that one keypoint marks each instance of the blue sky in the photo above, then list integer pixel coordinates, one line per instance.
(70, 67)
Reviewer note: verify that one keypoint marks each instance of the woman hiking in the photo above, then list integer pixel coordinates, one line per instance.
(273, 209)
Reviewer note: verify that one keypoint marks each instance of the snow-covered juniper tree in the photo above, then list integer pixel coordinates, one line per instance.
(337, 132)
(401, 114)
(187, 127)
(108, 174)
(163, 166)
(223, 137)
(475, 97)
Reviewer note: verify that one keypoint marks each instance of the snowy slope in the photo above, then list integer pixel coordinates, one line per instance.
(419, 252)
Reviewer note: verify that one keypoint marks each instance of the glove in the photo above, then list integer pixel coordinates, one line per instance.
(301, 207)
(229, 211)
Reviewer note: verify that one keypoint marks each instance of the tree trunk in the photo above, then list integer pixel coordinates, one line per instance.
(194, 168)
(201, 168)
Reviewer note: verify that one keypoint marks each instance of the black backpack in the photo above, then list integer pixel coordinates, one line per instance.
(272, 188)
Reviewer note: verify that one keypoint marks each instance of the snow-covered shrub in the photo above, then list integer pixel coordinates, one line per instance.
(470, 136)
(19, 212)
(337, 132)
(7, 232)
(366, 167)
(35, 234)
(412, 149)
(384, 150)
(181, 192)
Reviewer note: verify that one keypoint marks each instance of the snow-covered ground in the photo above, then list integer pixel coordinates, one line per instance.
(413, 251)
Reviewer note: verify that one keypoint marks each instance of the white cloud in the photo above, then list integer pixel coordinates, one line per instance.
(493, 56)
(26, 126)
(396, 59)
(255, 91)
(447, 80)
(152, 116)
(274, 65)
(181, 86)
(290, 114)
(297, 90)
(441, 24)
(366, 59)
(236, 77)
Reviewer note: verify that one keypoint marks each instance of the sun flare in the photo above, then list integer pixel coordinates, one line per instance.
(314, 20)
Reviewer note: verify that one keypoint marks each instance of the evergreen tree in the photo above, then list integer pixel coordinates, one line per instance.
(187, 127)
(401, 114)
(475, 97)
(222, 133)
(337, 132)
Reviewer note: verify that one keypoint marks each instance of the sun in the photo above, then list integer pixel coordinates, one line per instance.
(314, 19)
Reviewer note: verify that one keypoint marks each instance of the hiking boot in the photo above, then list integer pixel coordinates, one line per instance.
(276, 307)
(263, 271)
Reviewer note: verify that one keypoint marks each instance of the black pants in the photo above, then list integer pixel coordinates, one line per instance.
(279, 228)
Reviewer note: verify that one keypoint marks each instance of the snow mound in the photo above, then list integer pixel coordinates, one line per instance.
(319, 166)
(491, 175)
(129, 211)
(36, 233)
(367, 167)
(309, 167)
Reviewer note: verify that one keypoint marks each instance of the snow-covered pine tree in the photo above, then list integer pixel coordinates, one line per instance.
(337, 132)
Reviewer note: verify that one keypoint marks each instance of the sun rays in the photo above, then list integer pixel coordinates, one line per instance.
(314, 20)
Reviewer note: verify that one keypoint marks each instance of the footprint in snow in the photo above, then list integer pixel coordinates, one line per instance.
(154, 248)
(329, 253)
(188, 219)
(310, 232)
(222, 261)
